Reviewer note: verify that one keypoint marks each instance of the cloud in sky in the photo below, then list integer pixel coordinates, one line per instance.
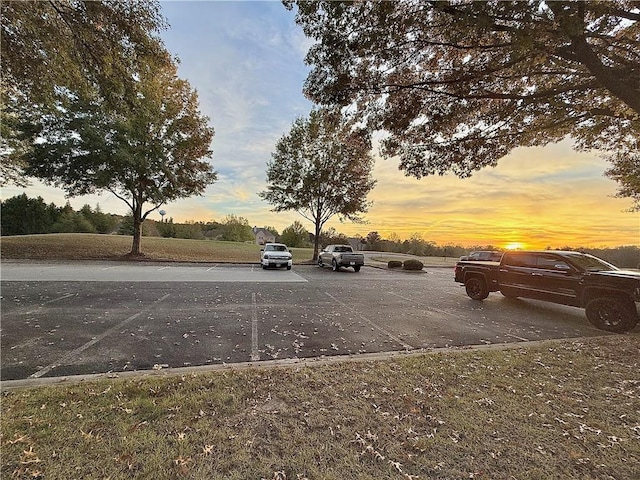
(246, 60)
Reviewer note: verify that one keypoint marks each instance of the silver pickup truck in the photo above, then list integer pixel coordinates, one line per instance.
(338, 256)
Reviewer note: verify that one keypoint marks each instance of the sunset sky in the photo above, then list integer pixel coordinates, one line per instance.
(246, 61)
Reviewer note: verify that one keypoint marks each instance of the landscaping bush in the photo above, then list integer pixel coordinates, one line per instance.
(412, 265)
(394, 264)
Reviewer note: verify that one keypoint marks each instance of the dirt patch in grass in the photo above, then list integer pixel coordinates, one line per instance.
(566, 410)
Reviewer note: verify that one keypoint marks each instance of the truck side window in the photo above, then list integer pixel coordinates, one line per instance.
(520, 260)
(549, 262)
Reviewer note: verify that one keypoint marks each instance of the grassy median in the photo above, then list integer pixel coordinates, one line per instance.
(567, 410)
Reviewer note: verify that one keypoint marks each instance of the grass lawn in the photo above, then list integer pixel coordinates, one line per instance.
(78, 246)
(562, 410)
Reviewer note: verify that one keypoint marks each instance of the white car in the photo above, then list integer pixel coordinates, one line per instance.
(275, 255)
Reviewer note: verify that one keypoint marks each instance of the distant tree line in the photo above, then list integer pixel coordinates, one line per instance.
(21, 215)
(416, 245)
(231, 229)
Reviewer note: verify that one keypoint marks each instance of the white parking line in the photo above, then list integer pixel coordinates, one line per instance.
(93, 341)
(51, 301)
(405, 345)
(428, 307)
(517, 337)
(255, 354)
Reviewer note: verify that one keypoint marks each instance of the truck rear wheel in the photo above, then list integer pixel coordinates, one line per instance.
(334, 266)
(476, 288)
(611, 313)
(356, 268)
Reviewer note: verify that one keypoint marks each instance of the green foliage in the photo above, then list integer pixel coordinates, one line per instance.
(153, 153)
(321, 168)
(75, 46)
(79, 45)
(126, 225)
(100, 104)
(21, 215)
(459, 85)
(394, 264)
(236, 229)
(191, 230)
(417, 246)
(626, 171)
(412, 264)
(167, 229)
(73, 222)
(331, 236)
(295, 235)
(373, 241)
(102, 222)
(12, 148)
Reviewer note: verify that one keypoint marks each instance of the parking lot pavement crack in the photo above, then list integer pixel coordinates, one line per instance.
(93, 341)
(398, 340)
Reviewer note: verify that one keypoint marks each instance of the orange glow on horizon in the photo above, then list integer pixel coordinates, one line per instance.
(515, 246)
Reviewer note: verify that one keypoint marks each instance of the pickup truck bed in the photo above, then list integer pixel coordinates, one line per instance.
(608, 295)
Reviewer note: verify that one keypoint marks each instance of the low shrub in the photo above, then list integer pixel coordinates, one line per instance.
(412, 265)
(394, 264)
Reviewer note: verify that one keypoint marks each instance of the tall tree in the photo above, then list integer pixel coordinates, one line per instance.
(458, 84)
(76, 45)
(153, 152)
(321, 168)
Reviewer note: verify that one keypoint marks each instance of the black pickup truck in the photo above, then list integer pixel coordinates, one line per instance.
(607, 294)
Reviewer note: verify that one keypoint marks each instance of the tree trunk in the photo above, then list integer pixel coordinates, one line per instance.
(316, 241)
(137, 230)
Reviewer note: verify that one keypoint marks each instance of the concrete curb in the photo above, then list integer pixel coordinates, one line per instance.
(10, 385)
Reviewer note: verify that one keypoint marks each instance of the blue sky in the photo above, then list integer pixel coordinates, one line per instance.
(246, 60)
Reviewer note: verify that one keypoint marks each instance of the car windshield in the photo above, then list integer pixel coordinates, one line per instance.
(591, 263)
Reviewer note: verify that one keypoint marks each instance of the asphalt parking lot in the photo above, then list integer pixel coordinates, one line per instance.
(73, 319)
